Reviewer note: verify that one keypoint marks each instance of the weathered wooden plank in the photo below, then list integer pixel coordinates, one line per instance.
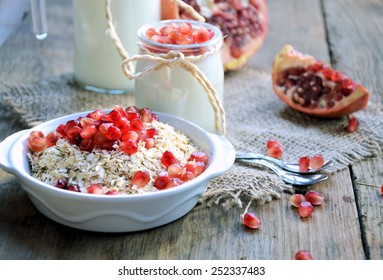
(356, 46)
(299, 23)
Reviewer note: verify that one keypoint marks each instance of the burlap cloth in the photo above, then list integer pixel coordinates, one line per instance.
(36, 84)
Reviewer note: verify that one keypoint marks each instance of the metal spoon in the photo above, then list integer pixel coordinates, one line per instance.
(288, 166)
(288, 177)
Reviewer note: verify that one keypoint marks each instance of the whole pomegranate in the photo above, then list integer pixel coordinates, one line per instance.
(243, 23)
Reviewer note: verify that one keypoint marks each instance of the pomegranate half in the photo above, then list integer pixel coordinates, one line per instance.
(243, 25)
(312, 87)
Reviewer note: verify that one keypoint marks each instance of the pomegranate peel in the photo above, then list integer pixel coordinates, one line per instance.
(314, 88)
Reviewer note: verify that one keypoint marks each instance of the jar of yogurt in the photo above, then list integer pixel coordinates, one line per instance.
(97, 64)
(173, 88)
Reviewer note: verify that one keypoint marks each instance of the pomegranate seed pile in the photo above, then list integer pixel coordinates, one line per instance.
(179, 34)
(318, 86)
(126, 151)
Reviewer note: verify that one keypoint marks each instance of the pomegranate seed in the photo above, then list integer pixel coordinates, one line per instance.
(61, 129)
(52, 138)
(158, 38)
(61, 184)
(188, 40)
(199, 157)
(175, 170)
(314, 197)
(96, 115)
(137, 125)
(173, 182)
(200, 168)
(275, 151)
(175, 35)
(73, 188)
(103, 128)
(151, 132)
(88, 132)
(327, 72)
(108, 145)
(119, 109)
(251, 220)
(123, 124)
(336, 76)
(168, 159)
(305, 209)
(353, 124)
(316, 162)
(86, 145)
(271, 142)
(84, 122)
(155, 117)
(304, 164)
(146, 115)
(186, 28)
(37, 144)
(149, 143)
(129, 147)
(112, 192)
(113, 133)
(99, 138)
(115, 115)
(141, 178)
(130, 135)
(191, 166)
(297, 199)
(162, 180)
(303, 255)
(73, 132)
(187, 176)
(202, 35)
(95, 189)
(131, 109)
(381, 190)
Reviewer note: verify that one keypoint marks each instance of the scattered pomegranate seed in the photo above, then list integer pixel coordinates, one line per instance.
(305, 209)
(381, 190)
(304, 163)
(95, 189)
(353, 124)
(275, 151)
(251, 220)
(297, 199)
(314, 197)
(141, 178)
(271, 142)
(303, 255)
(316, 162)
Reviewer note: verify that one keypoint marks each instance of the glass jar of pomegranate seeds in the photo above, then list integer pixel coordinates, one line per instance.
(172, 54)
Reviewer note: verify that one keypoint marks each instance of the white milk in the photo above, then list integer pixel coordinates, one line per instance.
(97, 64)
(175, 91)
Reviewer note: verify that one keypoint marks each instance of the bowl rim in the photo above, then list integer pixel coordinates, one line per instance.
(27, 178)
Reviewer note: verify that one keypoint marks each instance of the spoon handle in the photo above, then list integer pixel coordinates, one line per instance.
(242, 155)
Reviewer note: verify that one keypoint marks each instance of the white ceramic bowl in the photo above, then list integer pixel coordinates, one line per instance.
(123, 213)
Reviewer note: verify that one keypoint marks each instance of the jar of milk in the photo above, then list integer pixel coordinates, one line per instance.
(174, 88)
(97, 64)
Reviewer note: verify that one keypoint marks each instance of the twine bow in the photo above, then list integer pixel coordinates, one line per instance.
(170, 59)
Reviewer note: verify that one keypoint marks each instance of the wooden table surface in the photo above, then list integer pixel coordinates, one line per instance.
(346, 33)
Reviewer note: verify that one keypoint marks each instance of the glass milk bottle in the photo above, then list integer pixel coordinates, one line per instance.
(97, 63)
(174, 90)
